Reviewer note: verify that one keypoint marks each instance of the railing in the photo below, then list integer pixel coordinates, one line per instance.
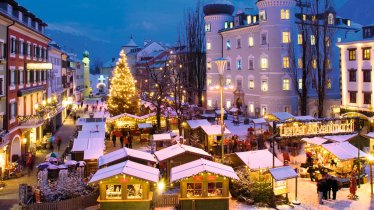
(70, 204)
(166, 200)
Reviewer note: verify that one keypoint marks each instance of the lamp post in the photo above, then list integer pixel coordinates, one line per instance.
(24, 143)
(221, 65)
(371, 159)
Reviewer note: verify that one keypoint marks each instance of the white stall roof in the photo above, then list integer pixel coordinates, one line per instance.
(91, 134)
(301, 118)
(218, 111)
(123, 153)
(283, 173)
(340, 138)
(144, 125)
(315, 140)
(197, 123)
(178, 149)
(128, 168)
(234, 109)
(214, 130)
(93, 127)
(259, 121)
(199, 166)
(370, 135)
(282, 115)
(344, 150)
(258, 159)
(161, 137)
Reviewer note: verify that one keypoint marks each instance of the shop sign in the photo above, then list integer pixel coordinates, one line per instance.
(280, 187)
(39, 66)
(315, 128)
(198, 178)
(211, 178)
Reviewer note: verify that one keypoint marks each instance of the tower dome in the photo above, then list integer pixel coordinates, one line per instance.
(86, 54)
(217, 7)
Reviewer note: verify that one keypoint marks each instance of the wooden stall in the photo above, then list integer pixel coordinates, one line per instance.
(193, 128)
(124, 154)
(212, 138)
(204, 184)
(125, 185)
(281, 176)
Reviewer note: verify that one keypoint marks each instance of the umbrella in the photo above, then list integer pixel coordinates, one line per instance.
(51, 159)
(71, 162)
(53, 167)
(43, 166)
(52, 154)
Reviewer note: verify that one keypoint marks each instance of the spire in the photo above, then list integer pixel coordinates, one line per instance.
(131, 43)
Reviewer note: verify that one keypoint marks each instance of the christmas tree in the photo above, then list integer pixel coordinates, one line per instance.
(122, 94)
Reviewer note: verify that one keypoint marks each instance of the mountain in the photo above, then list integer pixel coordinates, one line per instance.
(359, 11)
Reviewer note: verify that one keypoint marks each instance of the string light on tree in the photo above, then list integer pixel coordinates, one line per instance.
(123, 96)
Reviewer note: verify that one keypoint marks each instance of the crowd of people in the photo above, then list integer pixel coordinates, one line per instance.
(124, 138)
(325, 186)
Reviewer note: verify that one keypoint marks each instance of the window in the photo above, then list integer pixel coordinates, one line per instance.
(352, 75)
(215, 188)
(2, 86)
(209, 65)
(228, 45)
(251, 64)
(352, 97)
(313, 18)
(312, 40)
(314, 63)
(287, 109)
(328, 84)
(367, 98)
(263, 110)
(228, 81)
(21, 80)
(254, 19)
(228, 65)
(239, 64)
(328, 64)
(367, 75)
(352, 54)
(13, 110)
(239, 84)
(286, 62)
(286, 37)
(331, 19)
(134, 191)
(366, 53)
(348, 22)
(208, 46)
(209, 82)
(21, 50)
(249, 19)
(12, 45)
(231, 24)
(300, 85)
(251, 108)
(113, 192)
(264, 63)
(264, 85)
(300, 63)
(262, 15)
(264, 38)
(250, 41)
(251, 84)
(34, 51)
(285, 14)
(304, 17)
(238, 43)
(226, 24)
(209, 103)
(327, 41)
(228, 104)
(286, 84)
(207, 27)
(299, 39)
(12, 77)
(28, 49)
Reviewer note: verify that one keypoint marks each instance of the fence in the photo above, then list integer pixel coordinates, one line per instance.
(166, 200)
(70, 204)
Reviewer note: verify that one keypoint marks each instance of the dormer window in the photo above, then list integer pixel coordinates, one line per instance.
(262, 15)
(207, 27)
(254, 19)
(231, 24)
(331, 19)
(249, 19)
(348, 22)
(226, 25)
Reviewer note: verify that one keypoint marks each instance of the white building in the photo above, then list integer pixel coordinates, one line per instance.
(55, 79)
(77, 68)
(256, 46)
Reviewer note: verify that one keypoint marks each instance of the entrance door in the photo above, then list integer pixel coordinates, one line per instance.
(15, 148)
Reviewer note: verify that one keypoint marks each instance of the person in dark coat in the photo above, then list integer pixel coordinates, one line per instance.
(320, 189)
(114, 139)
(328, 187)
(334, 187)
(311, 173)
(121, 140)
(130, 141)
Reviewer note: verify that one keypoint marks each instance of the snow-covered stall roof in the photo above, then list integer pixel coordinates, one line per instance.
(128, 168)
(370, 135)
(214, 130)
(93, 126)
(340, 138)
(144, 125)
(259, 121)
(199, 166)
(178, 149)
(197, 123)
(91, 134)
(283, 173)
(282, 115)
(161, 137)
(92, 148)
(315, 140)
(218, 112)
(234, 109)
(301, 118)
(343, 150)
(123, 153)
(258, 159)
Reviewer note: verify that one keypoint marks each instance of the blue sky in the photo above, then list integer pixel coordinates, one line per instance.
(103, 26)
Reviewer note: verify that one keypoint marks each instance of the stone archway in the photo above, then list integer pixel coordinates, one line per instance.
(15, 148)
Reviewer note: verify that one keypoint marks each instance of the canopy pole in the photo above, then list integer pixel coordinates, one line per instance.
(296, 201)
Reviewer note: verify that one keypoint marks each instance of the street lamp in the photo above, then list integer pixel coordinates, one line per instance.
(371, 159)
(24, 141)
(221, 65)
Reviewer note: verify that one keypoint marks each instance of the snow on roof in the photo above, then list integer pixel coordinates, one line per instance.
(90, 143)
(343, 150)
(282, 115)
(258, 159)
(340, 138)
(199, 166)
(91, 134)
(178, 149)
(370, 135)
(214, 129)
(234, 109)
(219, 111)
(128, 168)
(259, 121)
(301, 118)
(94, 127)
(144, 125)
(123, 153)
(197, 123)
(241, 131)
(315, 140)
(161, 137)
(283, 173)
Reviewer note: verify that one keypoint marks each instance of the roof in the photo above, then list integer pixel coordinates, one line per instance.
(344, 150)
(131, 43)
(197, 123)
(144, 125)
(161, 137)
(283, 173)
(370, 135)
(340, 138)
(315, 140)
(178, 149)
(258, 159)
(214, 130)
(259, 121)
(282, 115)
(199, 166)
(133, 116)
(301, 118)
(128, 168)
(218, 111)
(123, 153)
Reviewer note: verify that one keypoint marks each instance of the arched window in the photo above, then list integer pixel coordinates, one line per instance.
(331, 19)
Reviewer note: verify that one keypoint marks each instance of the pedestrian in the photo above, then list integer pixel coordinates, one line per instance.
(311, 173)
(334, 187)
(114, 138)
(353, 186)
(58, 142)
(121, 140)
(235, 145)
(75, 118)
(29, 163)
(324, 181)
(130, 141)
(320, 191)
(127, 141)
(329, 186)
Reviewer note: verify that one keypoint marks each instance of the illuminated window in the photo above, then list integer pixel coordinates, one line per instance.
(262, 15)
(231, 24)
(286, 37)
(194, 190)
(228, 45)
(286, 84)
(366, 53)
(250, 41)
(226, 24)
(228, 81)
(207, 27)
(254, 19)
(209, 82)
(331, 19)
(313, 18)
(215, 189)
(285, 14)
(286, 62)
(304, 17)
(300, 84)
(329, 84)
(352, 54)
(251, 108)
(312, 40)
(300, 63)
(287, 109)
(314, 63)
(263, 110)
(264, 63)
(249, 19)
(328, 64)
(299, 39)
(264, 85)
(327, 41)
(228, 104)
(209, 65)
(209, 103)
(113, 192)
(251, 84)
(348, 22)
(208, 46)
(239, 64)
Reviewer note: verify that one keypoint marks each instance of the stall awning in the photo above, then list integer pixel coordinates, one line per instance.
(144, 125)
(283, 173)
(199, 166)
(302, 118)
(315, 140)
(123, 153)
(259, 121)
(370, 135)
(258, 159)
(161, 137)
(127, 168)
(218, 112)
(214, 130)
(197, 123)
(234, 109)
(344, 150)
(340, 138)
(179, 149)
(282, 115)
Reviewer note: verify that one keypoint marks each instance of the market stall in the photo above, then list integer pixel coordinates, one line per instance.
(281, 176)
(124, 154)
(125, 185)
(212, 137)
(159, 141)
(203, 184)
(193, 127)
(257, 160)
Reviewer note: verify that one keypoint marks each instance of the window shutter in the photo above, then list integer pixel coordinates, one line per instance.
(16, 50)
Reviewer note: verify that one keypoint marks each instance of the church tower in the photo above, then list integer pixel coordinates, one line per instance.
(86, 75)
